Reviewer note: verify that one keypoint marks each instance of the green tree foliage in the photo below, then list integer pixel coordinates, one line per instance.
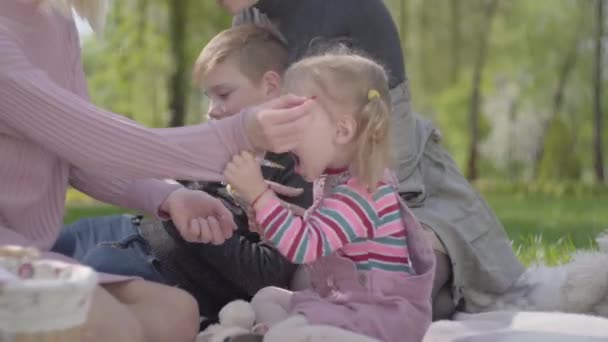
(560, 160)
(539, 71)
(130, 66)
(537, 87)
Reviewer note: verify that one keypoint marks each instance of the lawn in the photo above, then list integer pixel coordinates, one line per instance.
(544, 228)
(547, 228)
(75, 212)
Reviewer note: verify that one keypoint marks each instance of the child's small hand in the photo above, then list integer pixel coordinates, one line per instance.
(254, 226)
(243, 173)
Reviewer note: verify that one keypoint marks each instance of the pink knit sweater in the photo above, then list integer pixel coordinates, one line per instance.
(52, 137)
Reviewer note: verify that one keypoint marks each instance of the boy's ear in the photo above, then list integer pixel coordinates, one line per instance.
(271, 81)
(346, 127)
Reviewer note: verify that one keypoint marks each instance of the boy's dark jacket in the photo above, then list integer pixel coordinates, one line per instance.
(216, 275)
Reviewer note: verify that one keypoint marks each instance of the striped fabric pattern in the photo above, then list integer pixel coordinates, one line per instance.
(364, 228)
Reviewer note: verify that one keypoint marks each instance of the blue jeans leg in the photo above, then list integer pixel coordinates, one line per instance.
(110, 244)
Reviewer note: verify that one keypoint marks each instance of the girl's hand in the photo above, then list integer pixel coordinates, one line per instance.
(243, 173)
(288, 191)
(254, 226)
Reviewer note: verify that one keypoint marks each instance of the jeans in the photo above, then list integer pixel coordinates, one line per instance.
(110, 244)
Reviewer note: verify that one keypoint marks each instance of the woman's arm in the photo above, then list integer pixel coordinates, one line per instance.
(93, 139)
(145, 195)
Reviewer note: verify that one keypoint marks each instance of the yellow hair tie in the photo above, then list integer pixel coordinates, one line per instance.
(373, 94)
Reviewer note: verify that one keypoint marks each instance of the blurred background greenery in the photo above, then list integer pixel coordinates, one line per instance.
(516, 87)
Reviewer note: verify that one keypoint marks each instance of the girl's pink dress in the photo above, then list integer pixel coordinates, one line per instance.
(392, 306)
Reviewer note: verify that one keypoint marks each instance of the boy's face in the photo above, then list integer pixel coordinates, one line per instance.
(230, 91)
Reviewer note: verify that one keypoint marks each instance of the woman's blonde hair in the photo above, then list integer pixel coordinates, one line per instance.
(93, 11)
(351, 80)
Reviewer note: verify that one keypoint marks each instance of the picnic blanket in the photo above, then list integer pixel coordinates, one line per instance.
(519, 326)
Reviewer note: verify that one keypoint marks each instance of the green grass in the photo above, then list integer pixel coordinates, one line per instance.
(547, 228)
(578, 218)
(76, 212)
(544, 228)
(536, 250)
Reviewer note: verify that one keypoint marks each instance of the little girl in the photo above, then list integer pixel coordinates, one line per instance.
(370, 266)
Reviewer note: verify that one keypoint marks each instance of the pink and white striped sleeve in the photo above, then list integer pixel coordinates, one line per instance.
(339, 220)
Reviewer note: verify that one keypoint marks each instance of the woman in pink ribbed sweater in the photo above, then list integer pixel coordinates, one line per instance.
(51, 137)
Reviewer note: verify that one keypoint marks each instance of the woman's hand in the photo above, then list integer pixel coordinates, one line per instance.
(243, 173)
(278, 125)
(199, 217)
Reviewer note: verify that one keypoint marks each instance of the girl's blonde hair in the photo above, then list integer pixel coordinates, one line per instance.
(353, 81)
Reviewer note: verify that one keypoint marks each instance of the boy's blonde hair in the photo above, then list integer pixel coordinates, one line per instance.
(256, 50)
(353, 81)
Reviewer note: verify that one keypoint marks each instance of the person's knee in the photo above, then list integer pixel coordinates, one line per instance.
(129, 330)
(184, 315)
(133, 333)
(110, 320)
(166, 313)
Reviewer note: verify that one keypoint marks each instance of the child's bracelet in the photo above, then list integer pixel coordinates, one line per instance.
(260, 196)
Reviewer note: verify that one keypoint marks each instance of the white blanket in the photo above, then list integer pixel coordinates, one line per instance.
(519, 326)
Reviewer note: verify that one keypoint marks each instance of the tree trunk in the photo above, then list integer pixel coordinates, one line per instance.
(480, 61)
(558, 97)
(177, 84)
(456, 38)
(598, 159)
(403, 24)
(511, 167)
(423, 41)
(142, 19)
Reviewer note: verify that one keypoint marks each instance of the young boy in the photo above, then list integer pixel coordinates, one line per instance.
(240, 67)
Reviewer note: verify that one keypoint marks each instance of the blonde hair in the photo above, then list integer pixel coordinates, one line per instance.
(93, 11)
(256, 50)
(348, 79)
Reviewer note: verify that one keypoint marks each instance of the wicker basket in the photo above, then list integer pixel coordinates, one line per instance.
(42, 300)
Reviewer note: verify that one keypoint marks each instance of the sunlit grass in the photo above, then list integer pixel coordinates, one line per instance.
(544, 228)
